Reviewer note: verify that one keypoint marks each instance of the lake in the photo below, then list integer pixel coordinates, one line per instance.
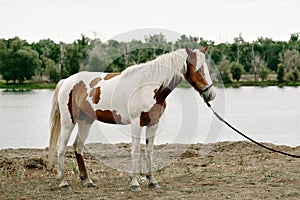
(268, 114)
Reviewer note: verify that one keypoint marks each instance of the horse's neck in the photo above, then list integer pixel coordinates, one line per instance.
(166, 70)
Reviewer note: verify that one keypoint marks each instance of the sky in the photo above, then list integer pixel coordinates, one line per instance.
(216, 20)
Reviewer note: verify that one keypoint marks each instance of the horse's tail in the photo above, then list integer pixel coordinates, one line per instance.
(55, 124)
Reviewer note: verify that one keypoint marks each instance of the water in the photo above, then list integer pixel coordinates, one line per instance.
(266, 114)
(269, 114)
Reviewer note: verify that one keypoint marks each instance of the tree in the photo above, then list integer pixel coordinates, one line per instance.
(192, 42)
(52, 70)
(3, 58)
(94, 63)
(269, 51)
(224, 69)
(259, 68)
(238, 41)
(47, 48)
(72, 60)
(216, 56)
(5, 69)
(83, 45)
(18, 61)
(26, 63)
(100, 55)
(280, 73)
(294, 42)
(236, 71)
(293, 76)
(263, 73)
(157, 42)
(291, 60)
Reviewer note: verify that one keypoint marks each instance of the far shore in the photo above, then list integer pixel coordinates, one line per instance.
(44, 85)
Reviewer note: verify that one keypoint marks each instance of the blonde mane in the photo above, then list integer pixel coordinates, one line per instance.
(160, 70)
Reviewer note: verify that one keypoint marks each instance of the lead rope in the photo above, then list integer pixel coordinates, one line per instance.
(248, 138)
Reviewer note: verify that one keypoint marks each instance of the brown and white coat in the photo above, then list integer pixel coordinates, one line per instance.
(136, 96)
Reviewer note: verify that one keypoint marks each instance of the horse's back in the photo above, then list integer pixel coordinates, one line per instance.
(84, 76)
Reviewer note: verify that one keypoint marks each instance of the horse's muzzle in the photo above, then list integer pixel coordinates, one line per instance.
(209, 95)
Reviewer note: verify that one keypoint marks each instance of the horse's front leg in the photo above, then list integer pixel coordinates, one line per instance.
(150, 135)
(135, 154)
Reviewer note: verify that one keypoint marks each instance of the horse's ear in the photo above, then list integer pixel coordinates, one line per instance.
(191, 56)
(189, 51)
(204, 49)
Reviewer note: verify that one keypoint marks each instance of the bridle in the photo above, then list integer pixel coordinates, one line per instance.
(201, 91)
(205, 89)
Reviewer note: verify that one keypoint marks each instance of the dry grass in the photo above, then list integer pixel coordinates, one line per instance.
(231, 170)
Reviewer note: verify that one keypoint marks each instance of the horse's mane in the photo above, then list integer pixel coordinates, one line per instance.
(160, 70)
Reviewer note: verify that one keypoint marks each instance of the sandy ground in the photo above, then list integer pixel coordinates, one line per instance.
(227, 170)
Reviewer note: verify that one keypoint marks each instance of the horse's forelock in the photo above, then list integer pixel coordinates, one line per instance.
(200, 59)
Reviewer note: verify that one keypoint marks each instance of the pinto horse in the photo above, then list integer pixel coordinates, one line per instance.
(136, 96)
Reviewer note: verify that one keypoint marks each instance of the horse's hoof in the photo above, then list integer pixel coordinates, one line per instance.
(92, 185)
(135, 188)
(65, 187)
(154, 185)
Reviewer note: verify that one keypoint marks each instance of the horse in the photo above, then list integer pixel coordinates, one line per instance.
(135, 97)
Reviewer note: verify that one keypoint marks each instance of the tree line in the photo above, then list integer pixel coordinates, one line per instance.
(260, 60)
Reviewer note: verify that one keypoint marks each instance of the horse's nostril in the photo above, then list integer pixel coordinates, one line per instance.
(213, 95)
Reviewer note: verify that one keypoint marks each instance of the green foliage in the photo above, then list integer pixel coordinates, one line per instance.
(224, 72)
(269, 51)
(280, 73)
(72, 59)
(47, 48)
(53, 74)
(293, 76)
(291, 59)
(52, 70)
(240, 60)
(216, 56)
(95, 63)
(26, 62)
(19, 61)
(236, 71)
(263, 73)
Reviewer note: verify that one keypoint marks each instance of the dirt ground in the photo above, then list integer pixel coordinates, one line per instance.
(227, 170)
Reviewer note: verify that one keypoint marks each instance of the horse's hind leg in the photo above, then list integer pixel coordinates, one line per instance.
(83, 132)
(150, 135)
(65, 134)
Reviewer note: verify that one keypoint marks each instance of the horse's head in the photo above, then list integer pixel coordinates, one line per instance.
(197, 73)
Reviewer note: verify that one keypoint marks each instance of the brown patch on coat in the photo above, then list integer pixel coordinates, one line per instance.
(95, 81)
(111, 75)
(152, 116)
(107, 116)
(95, 94)
(79, 107)
(195, 78)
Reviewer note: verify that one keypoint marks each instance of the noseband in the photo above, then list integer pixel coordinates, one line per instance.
(205, 89)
